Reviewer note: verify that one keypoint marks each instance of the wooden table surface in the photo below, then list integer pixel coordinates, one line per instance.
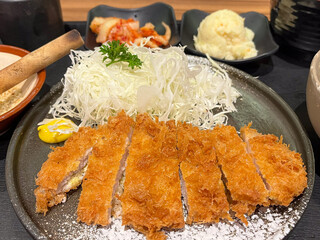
(74, 10)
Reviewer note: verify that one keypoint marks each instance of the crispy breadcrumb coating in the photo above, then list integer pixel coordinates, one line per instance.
(242, 180)
(205, 192)
(105, 167)
(218, 172)
(63, 162)
(152, 196)
(281, 168)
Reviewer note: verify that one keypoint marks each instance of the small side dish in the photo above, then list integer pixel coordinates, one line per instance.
(129, 31)
(222, 34)
(150, 18)
(256, 22)
(13, 101)
(15, 95)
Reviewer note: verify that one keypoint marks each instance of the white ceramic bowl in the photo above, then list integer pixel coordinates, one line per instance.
(313, 93)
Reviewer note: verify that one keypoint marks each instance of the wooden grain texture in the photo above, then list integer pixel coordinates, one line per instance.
(73, 10)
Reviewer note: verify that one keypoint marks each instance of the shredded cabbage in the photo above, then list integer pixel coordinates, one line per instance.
(166, 86)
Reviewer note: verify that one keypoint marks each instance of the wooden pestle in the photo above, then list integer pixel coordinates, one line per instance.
(39, 59)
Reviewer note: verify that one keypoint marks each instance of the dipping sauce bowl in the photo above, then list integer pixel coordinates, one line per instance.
(29, 90)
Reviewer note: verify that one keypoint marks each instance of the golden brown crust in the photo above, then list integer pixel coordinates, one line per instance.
(62, 162)
(206, 197)
(282, 168)
(47, 198)
(242, 179)
(152, 196)
(104, 164)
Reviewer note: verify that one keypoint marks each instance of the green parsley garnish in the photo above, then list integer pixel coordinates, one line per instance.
(117, 52)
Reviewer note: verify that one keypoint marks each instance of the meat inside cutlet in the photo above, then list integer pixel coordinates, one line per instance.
(105, 168)
(242, 180)
(281, 168)
(202, 186)
(151, 200)
(64, 169)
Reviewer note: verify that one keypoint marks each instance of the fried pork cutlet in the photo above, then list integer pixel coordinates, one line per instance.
(202, 186)
(281, 168)
(242, 180)
(151, 200)
(105, 168)
(64, 169)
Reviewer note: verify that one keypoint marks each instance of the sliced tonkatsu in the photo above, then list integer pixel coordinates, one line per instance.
(64, 169)
(151, 200)
(242, 180)
(202, 187)
(105, 168)
(282, 169)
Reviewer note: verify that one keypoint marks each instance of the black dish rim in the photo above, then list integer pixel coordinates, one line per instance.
(33, 229)
(230, 62)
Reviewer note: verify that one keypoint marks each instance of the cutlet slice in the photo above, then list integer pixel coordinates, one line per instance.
(281, 168)
(64, 169)
(242, 180)
(151, 200)
(202, 186)
(105, 168)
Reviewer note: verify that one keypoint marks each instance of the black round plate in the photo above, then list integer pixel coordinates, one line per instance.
(26, 153)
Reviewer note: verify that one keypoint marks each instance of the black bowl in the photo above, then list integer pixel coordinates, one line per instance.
(297, 23)
(296, 28)
(29, 24)
(155, 13)
(257, 22)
